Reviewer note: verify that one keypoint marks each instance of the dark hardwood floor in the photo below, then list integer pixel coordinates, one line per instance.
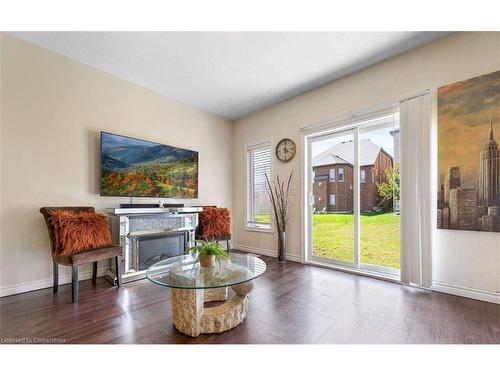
(290, 304)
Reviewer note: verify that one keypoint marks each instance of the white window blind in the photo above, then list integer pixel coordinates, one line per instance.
(416, 164)
(258, 205)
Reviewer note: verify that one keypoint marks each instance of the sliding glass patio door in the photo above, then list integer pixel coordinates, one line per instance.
(352, 215)
(333, 232)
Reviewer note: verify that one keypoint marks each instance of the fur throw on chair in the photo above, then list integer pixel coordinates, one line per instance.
(78, 231)
(215, 222)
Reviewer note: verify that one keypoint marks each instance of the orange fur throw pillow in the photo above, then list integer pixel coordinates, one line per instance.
(78, 231)
(215, 222)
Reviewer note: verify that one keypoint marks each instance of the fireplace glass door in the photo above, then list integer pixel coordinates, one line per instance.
(151, 248)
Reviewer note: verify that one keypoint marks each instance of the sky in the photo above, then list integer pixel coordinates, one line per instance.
(464, 111)
(113, 139)
(380, 137)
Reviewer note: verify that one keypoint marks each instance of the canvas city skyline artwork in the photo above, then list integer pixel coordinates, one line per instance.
(469, 154)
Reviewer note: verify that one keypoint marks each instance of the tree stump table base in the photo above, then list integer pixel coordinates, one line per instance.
(192, 318)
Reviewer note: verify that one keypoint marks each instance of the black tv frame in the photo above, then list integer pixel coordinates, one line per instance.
(144, 196)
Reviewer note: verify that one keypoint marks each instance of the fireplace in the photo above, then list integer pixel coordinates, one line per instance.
(152, 248)
(150, 235)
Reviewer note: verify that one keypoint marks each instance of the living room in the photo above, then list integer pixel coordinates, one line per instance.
(250, 187)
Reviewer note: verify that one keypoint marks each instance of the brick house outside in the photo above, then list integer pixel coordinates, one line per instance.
(333, 176)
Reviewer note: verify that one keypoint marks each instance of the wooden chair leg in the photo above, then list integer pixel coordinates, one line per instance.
(94, 272)
(118, 271)
(55, 269)
(74, 283)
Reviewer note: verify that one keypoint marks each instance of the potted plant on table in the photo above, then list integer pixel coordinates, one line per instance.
(209, 252)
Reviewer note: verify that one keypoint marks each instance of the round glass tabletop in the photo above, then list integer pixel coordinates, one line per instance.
(185, 272)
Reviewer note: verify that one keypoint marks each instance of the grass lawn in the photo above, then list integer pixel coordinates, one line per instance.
(263, 219)
(333, 237)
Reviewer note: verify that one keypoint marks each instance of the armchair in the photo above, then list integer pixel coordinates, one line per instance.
(79, 258)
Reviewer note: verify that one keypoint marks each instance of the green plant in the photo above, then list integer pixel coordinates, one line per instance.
(209, 248)
(390, 188)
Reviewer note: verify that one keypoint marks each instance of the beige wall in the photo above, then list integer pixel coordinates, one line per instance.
(53, 109)
(461, 259)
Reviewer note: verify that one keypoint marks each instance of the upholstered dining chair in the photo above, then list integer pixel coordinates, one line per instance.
(79, 258)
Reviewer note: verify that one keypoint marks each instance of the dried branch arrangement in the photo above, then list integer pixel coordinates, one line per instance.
(279, 194)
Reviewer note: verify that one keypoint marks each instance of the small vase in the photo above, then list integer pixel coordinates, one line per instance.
(207, 260)
(281, 247)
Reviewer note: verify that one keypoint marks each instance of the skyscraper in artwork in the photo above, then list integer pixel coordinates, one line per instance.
(489, 172)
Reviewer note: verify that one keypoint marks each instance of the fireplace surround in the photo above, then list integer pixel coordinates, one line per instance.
(149, 235)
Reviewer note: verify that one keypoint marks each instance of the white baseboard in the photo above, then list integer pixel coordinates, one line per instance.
(481, 295)
(266, 252)
(46, 283)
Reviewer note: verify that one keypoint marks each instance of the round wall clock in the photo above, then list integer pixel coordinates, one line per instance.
(285, 150)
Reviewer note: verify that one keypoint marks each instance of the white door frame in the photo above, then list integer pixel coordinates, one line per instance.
(351, 122)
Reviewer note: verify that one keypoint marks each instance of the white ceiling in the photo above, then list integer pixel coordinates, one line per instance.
(231, 74)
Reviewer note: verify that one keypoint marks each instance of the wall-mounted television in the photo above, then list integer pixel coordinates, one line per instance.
(132, 167)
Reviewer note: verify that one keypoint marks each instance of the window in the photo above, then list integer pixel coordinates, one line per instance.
(362, 176)
(341, 174)
(332, 175)
(258, 205)
(332, 200)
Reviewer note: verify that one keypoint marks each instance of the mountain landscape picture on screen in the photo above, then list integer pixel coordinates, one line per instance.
(135, 168)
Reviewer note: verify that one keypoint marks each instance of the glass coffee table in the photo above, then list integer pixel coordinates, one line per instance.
(192, 285)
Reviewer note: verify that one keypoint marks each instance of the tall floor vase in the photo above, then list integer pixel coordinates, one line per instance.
(281, 247)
